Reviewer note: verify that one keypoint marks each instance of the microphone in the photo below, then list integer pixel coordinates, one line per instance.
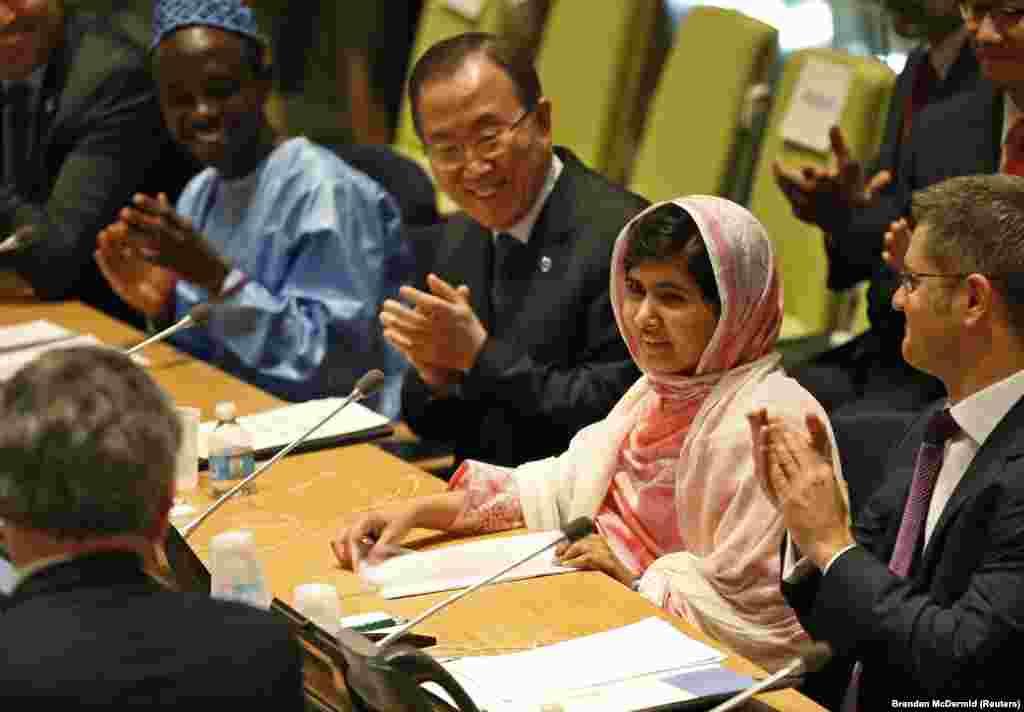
(576, 529)
(199, 314)
(366, 385)
(811, 660)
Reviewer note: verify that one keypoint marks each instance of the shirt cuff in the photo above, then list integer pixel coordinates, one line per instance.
(835, 557)
(232, 284)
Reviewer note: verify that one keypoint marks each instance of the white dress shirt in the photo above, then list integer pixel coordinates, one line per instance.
(977, 415)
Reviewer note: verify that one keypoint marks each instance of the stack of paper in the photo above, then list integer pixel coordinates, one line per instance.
(638, 666)
(275, 428)
(462, 565)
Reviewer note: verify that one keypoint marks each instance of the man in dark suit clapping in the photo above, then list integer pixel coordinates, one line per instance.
(923, 591)
(512, 337)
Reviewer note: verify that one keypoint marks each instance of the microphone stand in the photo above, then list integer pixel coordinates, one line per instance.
(198, 315)
(366, 385)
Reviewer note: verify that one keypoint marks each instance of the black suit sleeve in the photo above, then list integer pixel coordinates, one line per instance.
(110, 147)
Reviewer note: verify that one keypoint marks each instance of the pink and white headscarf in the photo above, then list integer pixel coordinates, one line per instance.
(669, 475)
(748, 286)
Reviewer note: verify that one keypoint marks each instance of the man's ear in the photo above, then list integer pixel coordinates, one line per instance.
(981, 298)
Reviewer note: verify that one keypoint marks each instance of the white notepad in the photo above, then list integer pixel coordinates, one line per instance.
(462, 565)
(273, 429)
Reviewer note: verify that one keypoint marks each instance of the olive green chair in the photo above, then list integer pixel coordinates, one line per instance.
(695, 124)
(592, 60)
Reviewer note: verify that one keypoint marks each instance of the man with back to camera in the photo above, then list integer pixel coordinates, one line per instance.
(855, 216)
(512, 339)
(80, 131)
(87, 462)
(294, 249)
(924, 590)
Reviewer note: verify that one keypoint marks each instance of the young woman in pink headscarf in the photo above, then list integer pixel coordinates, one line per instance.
(668, 476)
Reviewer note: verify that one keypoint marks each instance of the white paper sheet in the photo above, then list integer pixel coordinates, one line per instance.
(644, 652)
(279, 426)
(462, 565)
(470, 9)
(31, 333)
(11, 361)
(816, 104)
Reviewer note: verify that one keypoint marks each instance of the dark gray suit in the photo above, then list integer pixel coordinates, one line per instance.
(98, 137)
(554, 361)
(98, 632)
(947, 630)
(870, 370)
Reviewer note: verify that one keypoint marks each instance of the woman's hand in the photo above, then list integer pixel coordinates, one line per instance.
(593, 553)
(373, 534)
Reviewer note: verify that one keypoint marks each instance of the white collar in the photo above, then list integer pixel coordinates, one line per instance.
(979, 413)
(522, 229)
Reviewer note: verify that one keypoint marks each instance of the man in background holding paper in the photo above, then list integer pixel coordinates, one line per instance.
(668, 475)
(294, 249)
(87, 462)
(855, 215)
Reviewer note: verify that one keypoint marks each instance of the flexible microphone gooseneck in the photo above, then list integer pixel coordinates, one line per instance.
(811, 660)
(199, 314)
(369, 383)
(576, 529)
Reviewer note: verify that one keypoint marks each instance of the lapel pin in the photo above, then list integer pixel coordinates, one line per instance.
(545, 263)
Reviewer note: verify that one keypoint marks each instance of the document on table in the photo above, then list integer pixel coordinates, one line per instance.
(637, 666)
(31, 333)
(12, 361)
(462, 565)
(273, 429)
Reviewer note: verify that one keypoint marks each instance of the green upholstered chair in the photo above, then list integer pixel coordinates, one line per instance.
(694, 125)
(810, 307)
(592, 59)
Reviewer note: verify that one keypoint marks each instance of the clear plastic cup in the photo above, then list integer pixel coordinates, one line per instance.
(319, 603)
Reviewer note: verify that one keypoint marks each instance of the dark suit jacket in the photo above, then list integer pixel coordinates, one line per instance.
(947, 630)
(99, 138)
(555, 361)
(855, 251)
(952, 136)
(97, 631)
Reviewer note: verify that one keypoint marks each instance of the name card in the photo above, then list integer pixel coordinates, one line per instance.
(817, 104)
(470, 9)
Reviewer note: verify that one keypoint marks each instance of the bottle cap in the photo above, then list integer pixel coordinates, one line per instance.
(225, 410)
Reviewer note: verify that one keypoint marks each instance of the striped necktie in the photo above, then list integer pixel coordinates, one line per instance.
(941, 427)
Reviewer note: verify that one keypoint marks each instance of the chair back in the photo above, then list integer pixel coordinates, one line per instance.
(695, 123)
(592, 60)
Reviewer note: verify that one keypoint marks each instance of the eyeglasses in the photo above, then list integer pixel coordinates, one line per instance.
(1000, 14)
(488, 146)
(910, 280)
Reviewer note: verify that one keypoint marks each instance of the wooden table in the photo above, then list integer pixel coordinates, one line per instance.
(306, 500)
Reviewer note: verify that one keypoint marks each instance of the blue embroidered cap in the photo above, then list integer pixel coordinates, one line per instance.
(232, 15)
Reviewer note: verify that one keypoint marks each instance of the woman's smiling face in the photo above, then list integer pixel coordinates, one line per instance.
(668, 320)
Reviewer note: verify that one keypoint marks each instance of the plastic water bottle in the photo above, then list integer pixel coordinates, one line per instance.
(230, 451)
(236, 572)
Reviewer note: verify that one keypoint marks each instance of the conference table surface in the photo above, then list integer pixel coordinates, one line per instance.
(307, 499)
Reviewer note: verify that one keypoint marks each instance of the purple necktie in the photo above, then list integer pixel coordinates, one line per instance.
(941, 427)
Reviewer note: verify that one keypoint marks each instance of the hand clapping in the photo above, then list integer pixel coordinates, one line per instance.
(440, 334)
(821, 196)
(796, 472)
